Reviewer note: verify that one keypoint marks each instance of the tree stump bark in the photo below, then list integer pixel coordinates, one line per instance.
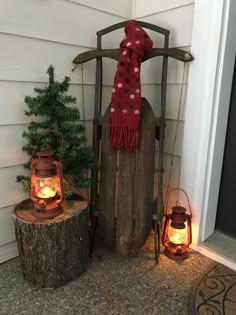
(52, 251)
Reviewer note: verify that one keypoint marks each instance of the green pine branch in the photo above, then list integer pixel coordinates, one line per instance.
(56, 111)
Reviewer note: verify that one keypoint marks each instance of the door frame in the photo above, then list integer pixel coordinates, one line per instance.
(207, 106)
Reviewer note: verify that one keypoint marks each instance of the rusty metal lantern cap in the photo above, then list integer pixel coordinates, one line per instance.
(45, 154)
(178, 217)
(178, 209)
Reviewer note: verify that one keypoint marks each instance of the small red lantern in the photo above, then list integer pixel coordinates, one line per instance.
(47, 191)
(177, 234)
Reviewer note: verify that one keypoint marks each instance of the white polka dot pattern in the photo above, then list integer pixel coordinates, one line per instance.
(125, 107)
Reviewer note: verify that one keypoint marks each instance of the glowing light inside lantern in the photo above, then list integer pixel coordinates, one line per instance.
(178, 236)
(46, 187)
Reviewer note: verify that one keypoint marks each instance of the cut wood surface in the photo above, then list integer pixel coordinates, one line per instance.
(52, 251)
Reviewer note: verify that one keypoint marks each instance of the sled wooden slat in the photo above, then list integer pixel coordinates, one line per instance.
(125, 200)
(144, 177)
(126, 187)
(107, 185)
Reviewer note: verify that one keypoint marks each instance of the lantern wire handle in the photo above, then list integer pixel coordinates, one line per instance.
(43, 134)
(177, 202)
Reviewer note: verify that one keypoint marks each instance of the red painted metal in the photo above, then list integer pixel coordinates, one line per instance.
(47, 191)
(177, 223)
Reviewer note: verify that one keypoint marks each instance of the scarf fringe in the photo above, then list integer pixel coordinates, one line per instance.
(123, 138)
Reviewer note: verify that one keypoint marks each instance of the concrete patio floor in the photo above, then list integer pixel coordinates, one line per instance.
(112, 285)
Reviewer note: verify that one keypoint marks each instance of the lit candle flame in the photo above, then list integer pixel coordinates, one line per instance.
(177, 236)
(46, 192)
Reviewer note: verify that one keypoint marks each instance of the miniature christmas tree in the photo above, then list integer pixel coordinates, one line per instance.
(53, 106)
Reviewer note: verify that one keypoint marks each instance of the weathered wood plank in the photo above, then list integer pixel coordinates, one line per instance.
(125, 200)
(144, 177)
(107, 185)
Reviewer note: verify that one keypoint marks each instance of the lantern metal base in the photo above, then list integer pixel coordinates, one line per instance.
(176, 252)
(50, 211)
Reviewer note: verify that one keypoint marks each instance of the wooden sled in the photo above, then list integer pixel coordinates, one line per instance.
(122, 201)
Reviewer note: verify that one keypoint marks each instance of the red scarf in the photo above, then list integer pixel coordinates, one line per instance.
(126, 94)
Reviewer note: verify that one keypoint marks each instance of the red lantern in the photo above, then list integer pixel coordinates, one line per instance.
(177, 234)
(47, 191)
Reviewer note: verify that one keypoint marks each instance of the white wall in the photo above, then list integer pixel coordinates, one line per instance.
(176, 16)
(33, 35)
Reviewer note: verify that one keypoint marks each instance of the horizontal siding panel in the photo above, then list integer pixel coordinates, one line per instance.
(11, 192)
(27, 59)
(142, 9)
(37, 74)
(54, 20)
(32, 73)
(7, 233)
(151, 71)
(23, 63)
(172, 180)
(153, 94)
(170, 131)
(178, 21)
(13, 94)
(122, 8)
(175, 170)
(13, 105)
(11, 140)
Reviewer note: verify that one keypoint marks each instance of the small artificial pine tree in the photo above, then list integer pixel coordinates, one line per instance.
(54, 106)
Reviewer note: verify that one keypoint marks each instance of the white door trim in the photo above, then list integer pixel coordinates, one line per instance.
(207, 104)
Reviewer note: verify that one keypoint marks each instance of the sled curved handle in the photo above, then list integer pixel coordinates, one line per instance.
(175, 53)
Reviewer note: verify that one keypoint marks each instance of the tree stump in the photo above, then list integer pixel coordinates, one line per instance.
(52, 251)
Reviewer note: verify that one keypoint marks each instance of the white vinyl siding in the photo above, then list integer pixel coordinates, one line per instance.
(177, 17)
